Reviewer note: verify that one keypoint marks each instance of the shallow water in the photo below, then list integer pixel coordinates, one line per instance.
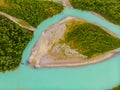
(100, 76)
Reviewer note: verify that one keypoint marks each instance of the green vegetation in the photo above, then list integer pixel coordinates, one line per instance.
(32, 11)
(13, 40)
(116, 88)
(89, 39)
(110, 9)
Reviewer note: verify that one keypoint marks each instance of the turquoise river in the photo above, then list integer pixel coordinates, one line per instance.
(102, 76)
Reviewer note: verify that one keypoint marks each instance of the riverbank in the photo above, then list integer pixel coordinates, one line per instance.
(113, 34)
(65, 3)
(108, 9)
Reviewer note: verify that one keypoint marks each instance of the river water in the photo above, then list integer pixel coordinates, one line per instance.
(100, 76)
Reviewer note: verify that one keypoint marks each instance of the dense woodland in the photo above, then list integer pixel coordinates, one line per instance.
(110, 9)
(89, 39)
(13, 40)
(32, 11)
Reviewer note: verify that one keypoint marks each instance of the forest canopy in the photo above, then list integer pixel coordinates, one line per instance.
(32, 11)
(13, 40)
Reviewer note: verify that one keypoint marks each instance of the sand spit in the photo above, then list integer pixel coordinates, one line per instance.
(77, 63)
(20, 22)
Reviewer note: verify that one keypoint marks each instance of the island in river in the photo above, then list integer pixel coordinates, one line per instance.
(73, 42)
